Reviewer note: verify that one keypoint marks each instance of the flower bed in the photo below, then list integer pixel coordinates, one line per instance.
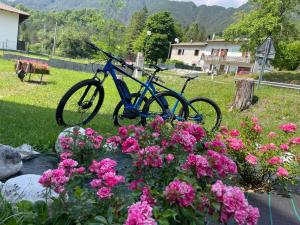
(31, 66)
(176, 176)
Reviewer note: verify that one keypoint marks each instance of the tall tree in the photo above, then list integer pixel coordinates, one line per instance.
(161, 27)
(267, 17)
(195, 32)
(135, 28)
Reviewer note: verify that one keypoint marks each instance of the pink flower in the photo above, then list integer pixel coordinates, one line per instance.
(81, 144)
(275, 160)
(130, 145)
(155, 134)
(134, 185)
(272, 135)
(96, 183)
(235, 144)
(68, 163)
(79, 170)
(102, 167)
(66, 142)
(169, 158)
(97, 140)
(104, 193)
(224, 130)
(194, 129)
(111, 179)
(284, 147)
(180, 192)
(222, 164)
(254, 119)
(267, 147)
(123, 132)
(140, 213)
(216, 145)
(282, 172)
(114, 141)
(234, 133)
(257, 128)
(147, 197)
(288, 128)
(200, 164)
(89, 132)
(295, 141)
(251, 159)
(152, 156)
(55, 179)
(185, 139)
(66, 155)
(157, 123)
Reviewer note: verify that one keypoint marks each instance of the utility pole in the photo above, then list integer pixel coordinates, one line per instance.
(54, 42)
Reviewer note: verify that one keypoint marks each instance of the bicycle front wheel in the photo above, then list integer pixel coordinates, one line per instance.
(168, 105)
(205, 112)
(80, 104)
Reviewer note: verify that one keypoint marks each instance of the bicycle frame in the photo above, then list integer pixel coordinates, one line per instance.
(145, 87)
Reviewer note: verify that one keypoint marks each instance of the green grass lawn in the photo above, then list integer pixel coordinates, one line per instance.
(27, 110)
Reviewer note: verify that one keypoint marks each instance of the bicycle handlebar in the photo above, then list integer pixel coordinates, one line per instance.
(109, 55)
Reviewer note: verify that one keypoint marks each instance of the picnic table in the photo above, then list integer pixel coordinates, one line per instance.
(24, 67)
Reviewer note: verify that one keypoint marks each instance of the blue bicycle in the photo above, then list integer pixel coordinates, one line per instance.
(83, 101)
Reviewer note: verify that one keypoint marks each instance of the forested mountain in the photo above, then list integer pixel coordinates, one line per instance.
(212, 18)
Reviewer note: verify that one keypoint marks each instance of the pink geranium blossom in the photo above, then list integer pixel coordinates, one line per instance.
(151, 156)
(235, 144)
(234, 133)
(288, 128)
(282, 172)
(140, 213)
(284, 147)
(275, 160)
(272, 135)
(55, 179)
(66, 155)
(295, 141)
(180, 192)
(130, 145)
(267, 147)
(104, 192)
(111, 179)
(222, 164)
(123, 132)
(90, 132)
(185, 139)
(257, 128)
(169, 158)
(66, 142)
(199, 163)
(251, 159)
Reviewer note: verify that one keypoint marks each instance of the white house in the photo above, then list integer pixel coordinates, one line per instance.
(219, 55)
(10, 18)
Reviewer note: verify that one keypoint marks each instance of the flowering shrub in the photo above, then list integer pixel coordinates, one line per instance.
(264, 161)
(174, 177)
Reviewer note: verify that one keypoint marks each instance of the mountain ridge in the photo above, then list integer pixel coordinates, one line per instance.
(212, 18)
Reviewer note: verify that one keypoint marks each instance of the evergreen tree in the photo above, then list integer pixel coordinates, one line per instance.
(195, 33)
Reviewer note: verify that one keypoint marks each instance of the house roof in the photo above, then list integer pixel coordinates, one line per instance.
(202, 44)
(12, 9)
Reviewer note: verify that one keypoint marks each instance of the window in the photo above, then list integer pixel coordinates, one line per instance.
(196, 53)
(180, 52)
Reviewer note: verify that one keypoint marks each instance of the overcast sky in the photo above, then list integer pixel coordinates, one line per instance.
(224, 3)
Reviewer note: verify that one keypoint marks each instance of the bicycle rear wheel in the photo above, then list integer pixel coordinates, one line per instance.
(80, 104)
(205, 112)
(169, 105)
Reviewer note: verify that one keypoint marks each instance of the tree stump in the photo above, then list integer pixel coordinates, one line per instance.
(244, 94)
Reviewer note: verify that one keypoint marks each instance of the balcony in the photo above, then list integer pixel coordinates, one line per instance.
(227, 60)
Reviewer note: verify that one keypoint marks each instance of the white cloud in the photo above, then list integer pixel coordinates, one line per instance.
(224, 3)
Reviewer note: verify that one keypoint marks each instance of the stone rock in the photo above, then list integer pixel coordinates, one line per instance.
(27, 151)
(10, 161)
(66, 132)
(25, 187)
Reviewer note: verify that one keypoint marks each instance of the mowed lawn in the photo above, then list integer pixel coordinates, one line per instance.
(27, 110)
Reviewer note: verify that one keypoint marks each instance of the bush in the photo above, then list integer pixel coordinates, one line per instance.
(264, 161)
(173, 179)
(287, 56)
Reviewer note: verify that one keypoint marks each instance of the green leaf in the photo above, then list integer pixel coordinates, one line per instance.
(110, 215)
(100, 219)
(163, 222)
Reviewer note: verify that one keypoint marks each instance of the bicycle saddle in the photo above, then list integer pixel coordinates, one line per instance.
(157, 68)
(189, 77)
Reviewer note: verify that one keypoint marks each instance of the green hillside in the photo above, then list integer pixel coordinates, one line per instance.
(212, 18)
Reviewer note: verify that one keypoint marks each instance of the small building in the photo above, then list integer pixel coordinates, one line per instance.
(213, 55)
(10, 19)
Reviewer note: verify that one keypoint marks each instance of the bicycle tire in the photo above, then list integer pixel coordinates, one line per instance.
(61, 106)
(118, 107)
(215, 106)
(183, 102)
